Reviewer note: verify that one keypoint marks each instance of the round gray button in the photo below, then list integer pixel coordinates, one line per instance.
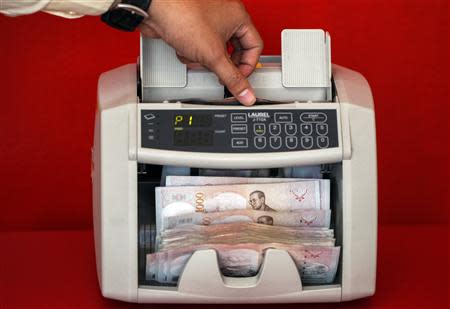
(290, 128)
(260, 142)
(322, 141)
(307, 142)
(322, 128)
(259, 128)
(306, 128)
(274, 128)
(275, 142)
(291, 142)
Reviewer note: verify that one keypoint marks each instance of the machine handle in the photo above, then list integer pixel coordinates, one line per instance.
(278, 276)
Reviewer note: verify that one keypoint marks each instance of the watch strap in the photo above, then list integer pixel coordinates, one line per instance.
(126, 15)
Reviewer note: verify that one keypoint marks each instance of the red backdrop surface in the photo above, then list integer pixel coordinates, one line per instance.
(50, 66)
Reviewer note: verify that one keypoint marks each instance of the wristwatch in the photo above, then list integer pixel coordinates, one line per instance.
(126, 15)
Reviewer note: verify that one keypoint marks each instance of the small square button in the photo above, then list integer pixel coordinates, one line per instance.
(322, 141)
(239, 142)
(307, 142)
(275, 142)
(322, 128)
(238, 129)
(283, 117)
(259, 128)
(306, 128)
(260, 142)
(274, 128)
(290, 128)
(291, 142)
(238, 117)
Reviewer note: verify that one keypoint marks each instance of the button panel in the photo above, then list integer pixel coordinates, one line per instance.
(226, 131)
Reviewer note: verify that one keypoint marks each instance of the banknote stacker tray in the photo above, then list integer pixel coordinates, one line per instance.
(313, 120)
(152, 176)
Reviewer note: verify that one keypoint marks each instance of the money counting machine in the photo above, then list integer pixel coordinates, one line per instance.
(159, 118)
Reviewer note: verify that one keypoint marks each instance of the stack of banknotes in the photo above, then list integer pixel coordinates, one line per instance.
(240, 218)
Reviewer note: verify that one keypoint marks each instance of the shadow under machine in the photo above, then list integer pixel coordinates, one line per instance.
(314, 120)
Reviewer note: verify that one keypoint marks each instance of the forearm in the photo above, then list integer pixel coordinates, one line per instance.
(65, 8)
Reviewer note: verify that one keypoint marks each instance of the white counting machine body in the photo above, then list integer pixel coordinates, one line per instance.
(316, 120)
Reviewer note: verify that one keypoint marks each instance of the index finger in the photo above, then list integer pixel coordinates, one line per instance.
(251, 47)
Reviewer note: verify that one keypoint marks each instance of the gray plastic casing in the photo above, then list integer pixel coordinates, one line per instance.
(117, 152)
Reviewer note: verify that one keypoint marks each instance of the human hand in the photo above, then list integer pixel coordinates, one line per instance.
(199, 30)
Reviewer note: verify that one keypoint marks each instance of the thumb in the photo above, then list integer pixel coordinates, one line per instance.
(233, 79)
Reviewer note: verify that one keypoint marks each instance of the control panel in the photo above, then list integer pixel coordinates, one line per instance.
(239, 131)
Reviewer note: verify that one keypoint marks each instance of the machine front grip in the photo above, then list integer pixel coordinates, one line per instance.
(278, 276)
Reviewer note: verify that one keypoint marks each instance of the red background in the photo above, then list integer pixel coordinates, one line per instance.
(49, 71)
(48, 84)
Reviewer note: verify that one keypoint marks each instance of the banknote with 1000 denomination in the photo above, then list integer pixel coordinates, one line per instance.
(289, 196)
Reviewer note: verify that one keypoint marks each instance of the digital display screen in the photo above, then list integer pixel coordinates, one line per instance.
(192, 120)
(193, 138)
